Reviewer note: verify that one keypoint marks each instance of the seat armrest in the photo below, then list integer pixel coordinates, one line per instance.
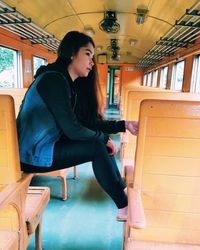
(124, 138)
(6, 194)
(128, 169)
(10, 193)
(136, 216)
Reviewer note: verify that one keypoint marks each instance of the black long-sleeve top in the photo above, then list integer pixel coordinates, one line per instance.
(60, 97)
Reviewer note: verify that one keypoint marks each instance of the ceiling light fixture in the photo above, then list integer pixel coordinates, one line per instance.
(141, 15)
(99, 48)
(89, 31)
(132, 42)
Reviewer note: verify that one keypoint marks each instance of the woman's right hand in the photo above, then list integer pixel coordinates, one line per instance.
(132, 127)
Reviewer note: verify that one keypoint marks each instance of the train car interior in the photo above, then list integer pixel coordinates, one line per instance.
(148, 61)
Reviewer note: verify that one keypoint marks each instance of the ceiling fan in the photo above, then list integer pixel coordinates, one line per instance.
(109, 24)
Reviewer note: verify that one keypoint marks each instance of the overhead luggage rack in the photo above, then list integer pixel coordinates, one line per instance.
(15, 22)
(185, 31)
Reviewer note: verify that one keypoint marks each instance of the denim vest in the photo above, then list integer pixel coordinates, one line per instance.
(37, 133)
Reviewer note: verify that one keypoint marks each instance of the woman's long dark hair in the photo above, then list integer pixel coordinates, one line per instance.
(88, 106)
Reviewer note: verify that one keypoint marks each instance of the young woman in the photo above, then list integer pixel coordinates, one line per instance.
(59, 124)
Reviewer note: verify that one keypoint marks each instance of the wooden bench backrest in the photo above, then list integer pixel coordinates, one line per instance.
(13, 185)
(17, 94)
(125, 93)
(167, 169)
(135, 97)
(9, 152)
(15, 204)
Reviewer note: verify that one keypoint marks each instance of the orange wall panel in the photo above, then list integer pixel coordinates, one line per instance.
(129, 77)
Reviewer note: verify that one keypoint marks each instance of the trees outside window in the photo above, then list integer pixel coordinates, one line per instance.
(177, 76)
(37, 62)
(9, 68)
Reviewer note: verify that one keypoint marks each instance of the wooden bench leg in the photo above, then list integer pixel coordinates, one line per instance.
(64, 188)
(38, 240)
(126, 234)
(75, 172)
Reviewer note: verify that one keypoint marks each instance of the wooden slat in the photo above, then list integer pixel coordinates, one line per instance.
(171, 202)
(168, 235)
(158, 218)
(171, 184)
(165, 165)
(182, 127)
(183, 147)
(151, 245)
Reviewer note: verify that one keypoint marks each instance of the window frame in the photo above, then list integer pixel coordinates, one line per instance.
(155, 78)
(174, 80)
(163, 84)
(145, 80)
(195, 80)
(149, 79)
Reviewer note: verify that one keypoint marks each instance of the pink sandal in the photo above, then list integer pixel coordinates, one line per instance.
(122, 214)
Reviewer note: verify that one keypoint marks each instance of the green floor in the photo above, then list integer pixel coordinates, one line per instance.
(86, 221)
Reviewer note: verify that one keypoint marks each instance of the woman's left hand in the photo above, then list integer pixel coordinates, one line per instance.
(112, 146)
(132, 127)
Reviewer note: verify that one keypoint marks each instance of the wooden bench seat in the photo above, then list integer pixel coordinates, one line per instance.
(132, 99)
(21, 210)
(36, 201)
(163, 189)
(18, 95)
(21, 206)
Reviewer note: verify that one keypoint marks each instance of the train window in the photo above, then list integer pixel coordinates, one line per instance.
(144, 79)
(149, 77)
(163, 77)
(195, 83)
(177, 75)
(37, 62)
(10, 76)
(155, 78)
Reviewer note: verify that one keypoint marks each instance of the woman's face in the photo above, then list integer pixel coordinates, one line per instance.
(82, 62)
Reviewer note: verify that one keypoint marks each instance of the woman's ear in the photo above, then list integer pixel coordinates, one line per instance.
(72, 57)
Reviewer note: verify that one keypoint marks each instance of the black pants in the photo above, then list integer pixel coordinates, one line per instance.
(68, 153)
